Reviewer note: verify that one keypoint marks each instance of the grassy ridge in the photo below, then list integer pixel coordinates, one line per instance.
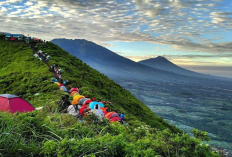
(24, 75)
(101, 87)
(48, 133)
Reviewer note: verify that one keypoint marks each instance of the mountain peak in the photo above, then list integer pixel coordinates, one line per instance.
(161, 58)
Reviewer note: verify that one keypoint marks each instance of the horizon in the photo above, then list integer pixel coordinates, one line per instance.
(194, 35)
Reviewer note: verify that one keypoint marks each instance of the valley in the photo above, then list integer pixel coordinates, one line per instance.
(205, 105)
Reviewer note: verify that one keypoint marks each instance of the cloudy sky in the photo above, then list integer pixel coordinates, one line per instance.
(195, 34)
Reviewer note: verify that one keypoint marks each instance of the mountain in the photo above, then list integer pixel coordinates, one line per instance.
(114, 65)
(164, 64)
(47, 132)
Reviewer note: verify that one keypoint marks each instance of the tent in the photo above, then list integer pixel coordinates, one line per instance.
(63, 88)
(57, 83)
(122, 116)
(72, 93)
(15, 35)
(12, 104)
(54, 79)
(104, 109)
(78, 97)
(111, 115)
(82, 101)
(74, 102)
(92, 105)
(40, 51)
(60, 85)
(35, 55)
(115, 119)
(73, 89)
(75, 94)
(61, 70)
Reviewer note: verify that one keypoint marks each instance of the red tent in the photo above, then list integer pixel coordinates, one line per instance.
(60, 85)
(73, 89)
(115, 119)
(12, 39)
(111, 115)
(12, 104)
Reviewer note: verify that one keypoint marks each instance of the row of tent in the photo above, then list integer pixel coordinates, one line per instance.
(40, 55)
(20, 37)
(62, 87)
(12, 103)
(81, 100)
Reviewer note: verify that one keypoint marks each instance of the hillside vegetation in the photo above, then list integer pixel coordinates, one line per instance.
(48, 133)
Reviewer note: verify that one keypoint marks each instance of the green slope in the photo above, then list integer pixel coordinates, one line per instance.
(24, 75)
(47, 132)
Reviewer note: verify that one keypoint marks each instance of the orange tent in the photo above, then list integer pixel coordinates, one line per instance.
(104, 109)
(111, 115)
(72, 94)
(74, 102)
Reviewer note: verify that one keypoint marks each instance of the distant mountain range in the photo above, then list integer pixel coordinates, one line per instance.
(114, 65)
(164, 64)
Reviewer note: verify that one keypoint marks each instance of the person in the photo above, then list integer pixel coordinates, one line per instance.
(98, 112)
(93, 99)
(59, 72)
(51, 68)
(84, 109)
(55, 69)
(87, 96)
(67, 96)
(60, 78)
(63, 104)
(73, 110)
(47, 59)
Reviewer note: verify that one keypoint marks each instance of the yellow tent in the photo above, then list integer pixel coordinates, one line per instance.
(57, 83)
(77, 97)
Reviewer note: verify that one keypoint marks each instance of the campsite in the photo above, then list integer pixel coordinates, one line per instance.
(47, 132)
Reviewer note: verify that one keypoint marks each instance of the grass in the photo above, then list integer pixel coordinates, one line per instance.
(48, 133)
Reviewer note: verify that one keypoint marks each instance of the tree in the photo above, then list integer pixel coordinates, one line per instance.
(203, 136)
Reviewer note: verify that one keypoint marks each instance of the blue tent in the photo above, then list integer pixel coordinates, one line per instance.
(92, 105)
(15, 35)
(63, 88)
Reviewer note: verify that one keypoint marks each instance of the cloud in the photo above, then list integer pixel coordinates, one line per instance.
(198, 56)
(177, 23)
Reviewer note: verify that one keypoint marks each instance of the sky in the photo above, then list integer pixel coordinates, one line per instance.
(194, 34)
